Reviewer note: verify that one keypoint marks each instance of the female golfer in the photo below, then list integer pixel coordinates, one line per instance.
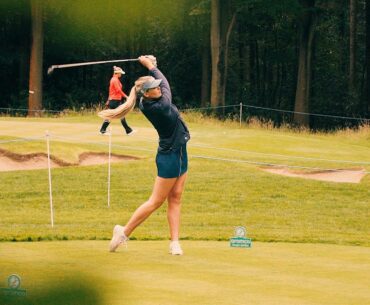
(171, 160)
(114, 100)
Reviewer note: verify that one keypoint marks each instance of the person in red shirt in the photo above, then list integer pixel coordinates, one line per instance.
(115, 99)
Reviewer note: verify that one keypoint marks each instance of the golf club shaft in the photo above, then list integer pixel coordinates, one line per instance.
(88, 63)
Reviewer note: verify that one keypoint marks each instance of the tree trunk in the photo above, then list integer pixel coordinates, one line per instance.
(302, 98)
(352, 45)
(265, 78)
(35, 80)
(226, 54)
(258, 71)
(221, 29)
(23, 45)
(206, 80)
(367, 60)
(216, 81)
(244, 69)
(252, 68)
(275, 67)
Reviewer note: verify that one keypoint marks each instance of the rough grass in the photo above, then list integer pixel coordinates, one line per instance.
(219, 195)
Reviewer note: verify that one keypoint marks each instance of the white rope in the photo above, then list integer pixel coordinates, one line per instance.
(282, 156)
(79, 140)
(233, 150)
(253, 162)
(308, 113)
(102, 144)
(223, 106)
(191, 145)
(226, 159)
(276, 165)
(211, 107)
(31, 110)
(133, 148)
(22, 140)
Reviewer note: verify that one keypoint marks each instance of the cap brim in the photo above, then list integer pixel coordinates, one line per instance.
(154, 84)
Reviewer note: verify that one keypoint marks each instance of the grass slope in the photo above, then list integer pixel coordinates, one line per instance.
(219, 195)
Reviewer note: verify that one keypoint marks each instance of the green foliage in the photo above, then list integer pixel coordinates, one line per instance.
(263, 51)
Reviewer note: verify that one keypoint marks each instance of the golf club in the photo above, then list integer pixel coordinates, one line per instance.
(51, 68)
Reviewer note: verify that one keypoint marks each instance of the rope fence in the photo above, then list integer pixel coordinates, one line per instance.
(277, 165)
(240, 112)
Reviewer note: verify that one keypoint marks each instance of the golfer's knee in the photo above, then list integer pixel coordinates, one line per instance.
(175, 198)
(155, 203)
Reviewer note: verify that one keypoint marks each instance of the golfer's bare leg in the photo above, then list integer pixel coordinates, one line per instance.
(174, 207)
(161, 189)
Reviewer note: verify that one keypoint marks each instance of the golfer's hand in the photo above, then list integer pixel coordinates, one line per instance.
(146, 62)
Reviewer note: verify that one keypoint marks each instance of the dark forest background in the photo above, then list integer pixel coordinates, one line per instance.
(303, 56)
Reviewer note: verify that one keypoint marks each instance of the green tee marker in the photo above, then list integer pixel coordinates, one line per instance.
(14, 290)
(239, 240)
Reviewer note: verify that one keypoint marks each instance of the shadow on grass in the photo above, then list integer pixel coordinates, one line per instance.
(76, 292)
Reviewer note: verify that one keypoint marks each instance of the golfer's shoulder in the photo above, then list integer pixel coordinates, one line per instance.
(156, 73)
(114, 80)
(159, 106)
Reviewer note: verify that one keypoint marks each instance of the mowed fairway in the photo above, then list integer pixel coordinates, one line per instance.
(208, 273)
(310, 238)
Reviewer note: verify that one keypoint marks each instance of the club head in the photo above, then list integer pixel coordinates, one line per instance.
(50, 70)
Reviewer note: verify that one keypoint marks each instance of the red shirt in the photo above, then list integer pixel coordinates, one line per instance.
(115, 89)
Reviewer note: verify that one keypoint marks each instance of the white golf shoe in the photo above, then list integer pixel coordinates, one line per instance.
(175, 248)
(118, 238)
(132, 132)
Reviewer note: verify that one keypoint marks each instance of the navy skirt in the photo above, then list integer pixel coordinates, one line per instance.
(172, 164)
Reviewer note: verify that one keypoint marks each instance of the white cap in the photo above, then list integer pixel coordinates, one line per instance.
(150, 84)
(118, 70)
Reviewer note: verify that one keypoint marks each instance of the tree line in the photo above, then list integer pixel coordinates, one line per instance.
(302, 56)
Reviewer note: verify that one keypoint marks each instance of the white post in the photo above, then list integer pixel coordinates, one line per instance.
(109, 161)
(240, 114)
(49, 169)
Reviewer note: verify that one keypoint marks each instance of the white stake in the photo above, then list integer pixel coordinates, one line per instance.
(109, 159)
(50, 189)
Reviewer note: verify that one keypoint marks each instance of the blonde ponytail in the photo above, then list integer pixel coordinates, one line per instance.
(122, 110)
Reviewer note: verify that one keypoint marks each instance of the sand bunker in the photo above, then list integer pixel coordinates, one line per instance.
(345, 176)
(10, 161)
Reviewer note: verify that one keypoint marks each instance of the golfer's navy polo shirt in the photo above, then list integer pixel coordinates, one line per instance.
(165, 117)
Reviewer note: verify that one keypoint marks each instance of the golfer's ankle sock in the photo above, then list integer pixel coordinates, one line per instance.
(123, 233)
